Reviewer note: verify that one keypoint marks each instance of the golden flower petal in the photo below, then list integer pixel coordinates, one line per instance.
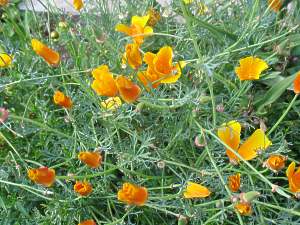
(49, 55)
(78, 4)
(128, 90)
(132, 194)
(43, 176)
(5, 60)
(91, 159)
(250, 68)
(194, 190)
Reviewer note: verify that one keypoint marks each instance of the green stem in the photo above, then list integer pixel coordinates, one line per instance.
(290, 211)
(283, 115)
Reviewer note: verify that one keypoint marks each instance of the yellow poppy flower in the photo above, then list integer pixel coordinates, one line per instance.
(78, 4)
(132, 56)
(138, 29)
(194, 190)
(49, 55)
(250, 68)
(112, 103)
(132, 194)
(5, 60)
(275, 5)
(230, 134)
(43, 176)
(234, 182)
(293, 177)
(83, 188)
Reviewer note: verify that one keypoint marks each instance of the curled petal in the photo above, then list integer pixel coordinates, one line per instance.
(50, 56)
(128, 90)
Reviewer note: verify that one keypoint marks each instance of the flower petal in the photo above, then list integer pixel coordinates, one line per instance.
(194, 190)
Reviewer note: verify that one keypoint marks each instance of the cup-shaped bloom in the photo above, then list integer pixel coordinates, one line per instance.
(132, 56)
(83, 188)
(234, 182)
(43, 176)
(244, 208)
(258, 141)
(132, 194)
(250, 68)
(62, 100)
(111, 103)
(91, 159)
(3, 2)
(104, 83)
(194, 190)
(275, 4)
(128, 90)
(5, 60)
(293, 177)
(230, 133)
(88, 222)
(78, 4)
(297, 83)
(138, 28)
(162, 64)
(275, 162)
(49, 55)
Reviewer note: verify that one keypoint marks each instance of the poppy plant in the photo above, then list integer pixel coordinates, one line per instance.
(275, 5)
(275, 162)
(234, 182)
(62, 100)
(104, 83)
(83, 188)
(138, 28)
(132, 194)
(194, 190)
(293, 177)
(229, 133)
(297, 83)
(49, 55)
(250, 68)
(78, 4)
(43, 176)
(244, 208)
(91, 159)
(88, 222)
(132, 56)
(5, 60)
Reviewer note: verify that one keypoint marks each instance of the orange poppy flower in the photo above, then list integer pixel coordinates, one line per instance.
(234, 182)
(43, 176)
(293, 177)
(132, 56)
(91, 159)
(83, 188)
(88, 222)
(149, 78)
(297, 83)
(275, 162)
(61, 99)
(49, 55)
(194, 190)
(275, 5)
(128, 90)
(250, 68)
(104, 83)
(78, 4)
(133, 195)
(3, 2)
(5, 60)
(138, 29)
(257, 141)
(244, 208)
(162, 65)
(112, 103)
